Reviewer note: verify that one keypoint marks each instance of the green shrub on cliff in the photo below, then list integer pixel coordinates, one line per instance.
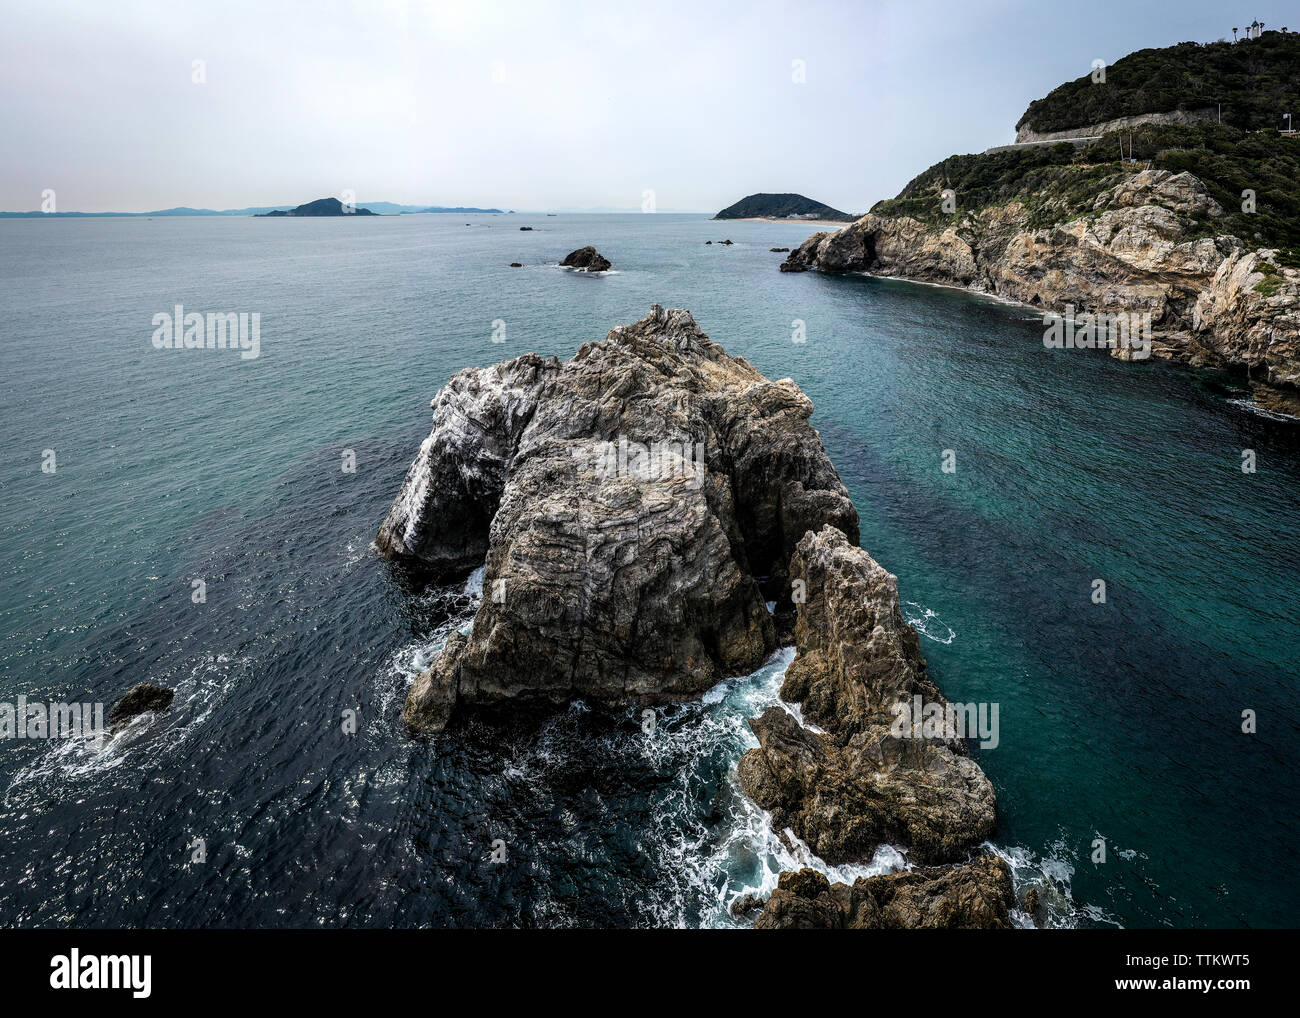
(1256, 81)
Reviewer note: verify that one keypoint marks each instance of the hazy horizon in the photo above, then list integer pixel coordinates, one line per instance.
(508, 106)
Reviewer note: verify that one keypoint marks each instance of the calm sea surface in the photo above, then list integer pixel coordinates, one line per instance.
(1118, 721)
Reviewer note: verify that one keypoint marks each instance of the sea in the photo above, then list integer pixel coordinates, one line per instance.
(204, 520)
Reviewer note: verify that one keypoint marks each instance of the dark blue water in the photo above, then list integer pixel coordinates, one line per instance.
(1118, 721)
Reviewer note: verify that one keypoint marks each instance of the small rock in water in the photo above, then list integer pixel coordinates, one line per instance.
(746, 905)
(526, 228)
(708, 242)
(143, 698)
(586, 258)
(516, 265)
(779, 249)
(727, 242)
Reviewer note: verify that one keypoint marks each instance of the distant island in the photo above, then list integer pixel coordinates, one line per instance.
(320, 207)
(442, 208)
(383, 208)
(781, 206)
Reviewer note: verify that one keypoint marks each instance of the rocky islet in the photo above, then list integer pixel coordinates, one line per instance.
(635, 509)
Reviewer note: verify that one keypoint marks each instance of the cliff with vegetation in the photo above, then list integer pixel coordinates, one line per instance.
(1198, 224)
(1253, 82)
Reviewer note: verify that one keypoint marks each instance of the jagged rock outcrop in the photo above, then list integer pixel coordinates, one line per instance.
(587, 259)
(974, 896)
(633, 507)
(1141, 248)
(1250, 313)
(846, 790)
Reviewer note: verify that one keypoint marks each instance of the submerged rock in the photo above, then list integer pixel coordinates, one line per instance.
(143, 698)
(634, 508)
(974, 896)
(588, 259)
(857, 785)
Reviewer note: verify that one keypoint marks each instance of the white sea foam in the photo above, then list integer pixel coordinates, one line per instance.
(1050, 875)
(474, 585)
(737, 852)
(927, 623)
(796, 710)
(1272, 415)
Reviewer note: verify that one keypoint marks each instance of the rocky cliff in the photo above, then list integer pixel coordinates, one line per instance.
(634, 509)
(1197, 225)
(1141, 247)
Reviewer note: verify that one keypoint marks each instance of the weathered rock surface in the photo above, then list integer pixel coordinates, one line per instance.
(976, 895)
(142, 698)
(856, 785)
(588, 259)
(633, 507)
(1140, 249)
(1250, 313)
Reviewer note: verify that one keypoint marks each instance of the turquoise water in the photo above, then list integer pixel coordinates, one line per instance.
(1118, 721)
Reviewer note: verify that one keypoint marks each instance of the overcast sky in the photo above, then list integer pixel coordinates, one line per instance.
(537, 105)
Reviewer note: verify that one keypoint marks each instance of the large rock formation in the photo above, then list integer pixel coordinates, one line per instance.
(976, 895)
(856, 784)
(633, 507)
(1140, 248)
